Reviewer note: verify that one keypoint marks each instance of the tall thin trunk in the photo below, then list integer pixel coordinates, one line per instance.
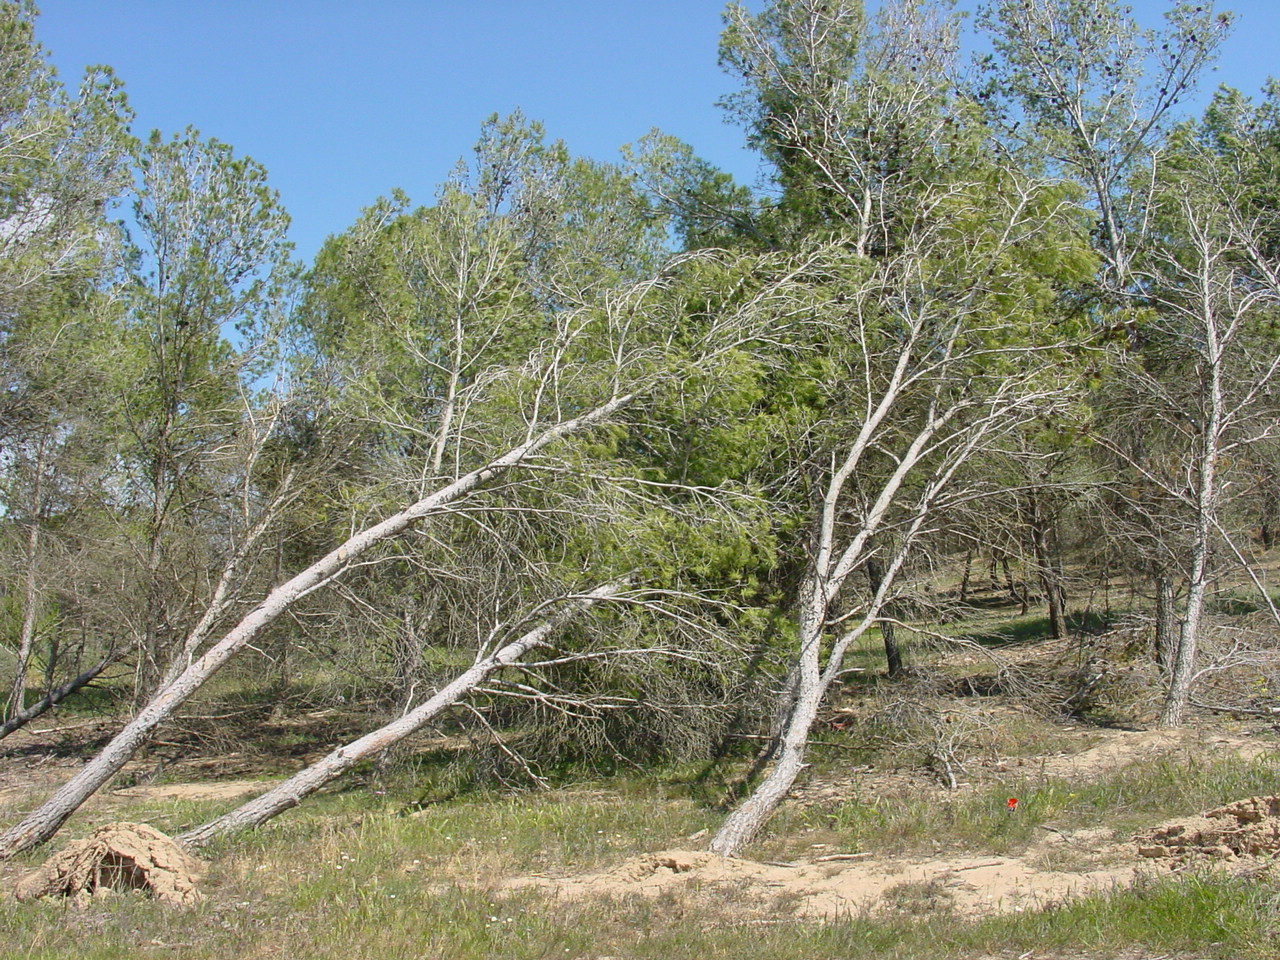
(1166, 623)
(896, 668)
(1210, 449)
(1269, 519)
(30, 592)
(1048, 565)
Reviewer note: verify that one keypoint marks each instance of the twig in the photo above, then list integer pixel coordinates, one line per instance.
(69, 726)
(1058, 832)
(1246, 711)
(837, 857)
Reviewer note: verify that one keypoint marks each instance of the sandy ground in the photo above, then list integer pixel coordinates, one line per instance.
(825, 888)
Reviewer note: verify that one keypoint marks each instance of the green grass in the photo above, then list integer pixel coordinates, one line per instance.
(919, 822)
(362, 913)
(355, 875)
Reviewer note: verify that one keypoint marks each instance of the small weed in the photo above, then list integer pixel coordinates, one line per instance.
(919, 899)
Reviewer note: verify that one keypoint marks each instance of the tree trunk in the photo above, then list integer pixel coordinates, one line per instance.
(1210, 449)
(892, 651)
(1048, 568)
(1269, 519)
(1166, 624)
(30, 619)
(746, 821)
(408, 659)
(294, 790)
(30, 594)
(46, 821)
(56, 696)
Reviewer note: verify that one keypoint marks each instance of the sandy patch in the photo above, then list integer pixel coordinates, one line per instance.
(210, 790)
(831, 888)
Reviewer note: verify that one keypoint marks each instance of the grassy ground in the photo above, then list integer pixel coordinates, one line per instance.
(360, 875)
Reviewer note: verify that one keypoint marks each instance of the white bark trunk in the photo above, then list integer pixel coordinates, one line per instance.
(1184, 660)
(30, 594)
(291, 792)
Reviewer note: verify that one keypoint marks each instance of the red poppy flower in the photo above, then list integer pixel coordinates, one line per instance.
(1013, 803)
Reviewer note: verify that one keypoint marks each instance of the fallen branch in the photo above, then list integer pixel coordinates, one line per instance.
(57, 695)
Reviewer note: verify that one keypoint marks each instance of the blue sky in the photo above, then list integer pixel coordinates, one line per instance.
(343, 100)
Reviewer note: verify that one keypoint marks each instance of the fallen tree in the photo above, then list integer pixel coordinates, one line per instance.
(626, 345)
(293, 791)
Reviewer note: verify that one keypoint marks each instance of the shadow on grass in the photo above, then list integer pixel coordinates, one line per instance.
(1032, 629)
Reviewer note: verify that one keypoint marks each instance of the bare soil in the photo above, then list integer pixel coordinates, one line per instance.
(1245, 835)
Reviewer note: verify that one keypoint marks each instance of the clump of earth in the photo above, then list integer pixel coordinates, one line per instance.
(117, 857)
(1246, 828)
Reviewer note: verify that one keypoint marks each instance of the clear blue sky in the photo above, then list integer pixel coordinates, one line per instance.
(343, 100)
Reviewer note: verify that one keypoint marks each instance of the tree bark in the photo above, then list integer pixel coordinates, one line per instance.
(746, 821)
(896, 667)
(43, 823)
(1269, 512)
(294, 790)
(1048, 568)
(1206, 503)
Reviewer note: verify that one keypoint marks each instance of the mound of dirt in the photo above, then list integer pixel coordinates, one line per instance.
(1246, 828)
(119, 856)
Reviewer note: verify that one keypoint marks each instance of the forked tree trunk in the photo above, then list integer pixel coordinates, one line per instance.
(48, 819)
(293, 791)
(830, 567)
